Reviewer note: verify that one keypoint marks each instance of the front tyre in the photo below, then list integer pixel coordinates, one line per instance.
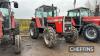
(33, 33)
(17, 45)
(72, 37)
(91, 33)
(50, 37)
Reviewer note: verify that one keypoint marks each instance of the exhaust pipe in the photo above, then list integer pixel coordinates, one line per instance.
(52, 10)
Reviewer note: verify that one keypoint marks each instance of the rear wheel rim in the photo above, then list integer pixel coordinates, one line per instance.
(91, 33)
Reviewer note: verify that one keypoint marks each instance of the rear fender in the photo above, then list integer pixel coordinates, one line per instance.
(1, 25)
(1, 30)
(38, 23)
(73, 22)
(13, 22)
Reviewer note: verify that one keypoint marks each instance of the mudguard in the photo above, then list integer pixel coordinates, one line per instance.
(38, 23)
(13, 23)
(1, 26)
(73, 22)
(1, 31)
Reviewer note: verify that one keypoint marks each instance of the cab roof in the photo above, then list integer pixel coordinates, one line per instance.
(77, 9)
(4, 0)
(45, 8)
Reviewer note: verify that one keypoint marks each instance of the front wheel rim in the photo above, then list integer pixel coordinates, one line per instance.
(45, 39)
(48, 37)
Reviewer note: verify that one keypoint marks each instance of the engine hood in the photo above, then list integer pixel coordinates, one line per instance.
(91, 18)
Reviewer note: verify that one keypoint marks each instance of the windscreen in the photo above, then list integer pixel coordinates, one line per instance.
(4, 8)
(80, 12)
(41, 14)
(85, 12)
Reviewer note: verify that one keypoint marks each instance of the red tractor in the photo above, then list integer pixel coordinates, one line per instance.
(9, 29)
(86, 23)
(47, 22)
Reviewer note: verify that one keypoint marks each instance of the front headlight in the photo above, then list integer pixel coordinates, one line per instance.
(65, 28)
(69, 28)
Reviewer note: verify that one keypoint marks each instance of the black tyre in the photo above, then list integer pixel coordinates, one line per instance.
(33, 33)
(72, 37)
(50, 37)
(91, 32)
(17, 46)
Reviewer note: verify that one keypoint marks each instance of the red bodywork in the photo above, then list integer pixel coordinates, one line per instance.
(73, 22)
(1, 21)
(13, 23)
(57, 21)
(1, 33)
(37, 21)
(92, 19)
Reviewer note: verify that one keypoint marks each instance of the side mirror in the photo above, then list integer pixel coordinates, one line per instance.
(12, 13)
(15, 4)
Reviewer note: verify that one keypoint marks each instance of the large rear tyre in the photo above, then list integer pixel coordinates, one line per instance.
(72, 37)
(50, 37)
(91, 32)
(17, 46)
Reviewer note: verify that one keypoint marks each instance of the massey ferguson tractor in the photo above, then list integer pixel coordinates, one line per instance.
(51, 26)
(9, 29)
(86, 23)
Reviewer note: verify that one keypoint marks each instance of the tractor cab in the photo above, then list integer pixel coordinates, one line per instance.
(7, 14)
(78, 13)
(86, 23)
(4, 9)
(45, 11)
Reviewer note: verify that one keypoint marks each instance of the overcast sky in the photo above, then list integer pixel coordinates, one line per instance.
(27, 7)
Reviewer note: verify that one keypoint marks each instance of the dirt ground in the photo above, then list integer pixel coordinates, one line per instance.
(36, 47)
